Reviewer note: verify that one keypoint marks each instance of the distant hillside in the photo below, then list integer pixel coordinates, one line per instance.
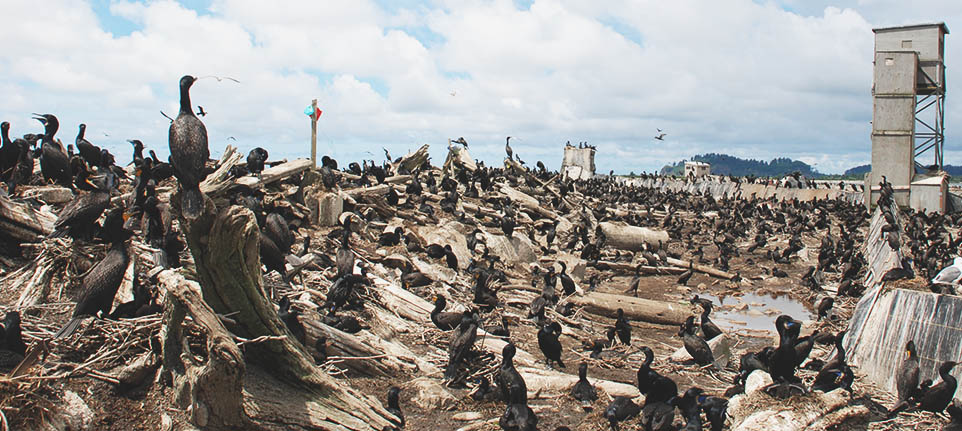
(864, 169)
(859, 170)
(723, 164)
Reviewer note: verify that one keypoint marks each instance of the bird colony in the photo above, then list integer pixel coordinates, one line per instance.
(267, 294)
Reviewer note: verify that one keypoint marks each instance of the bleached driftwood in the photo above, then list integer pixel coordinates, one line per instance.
(702, 268)
(635, 308)
(20, 222)
(625, 237)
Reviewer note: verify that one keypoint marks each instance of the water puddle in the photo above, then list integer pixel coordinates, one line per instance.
(754, 312)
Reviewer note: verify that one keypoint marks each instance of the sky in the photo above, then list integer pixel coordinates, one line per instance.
(754, 79)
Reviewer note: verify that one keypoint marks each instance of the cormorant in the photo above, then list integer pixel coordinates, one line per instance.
(509, 381)
(507, 147)
(289, 316)
(685, 276)
(549, 344)
(461, 344)
(696, 346)
(77, 218)
(782, 368)
(12, 346)
(484, 392)
(392, 404)
(255, 161)
(345, 257)
(583, 390)
(187, 139)
(716, 409)
(444, 321)
(100, 284)
(657, 416)
(688, 405)
(54, 163)
(9, 152)
(278, 231)
(450, 258)
(623, 328)
(621, 409)
(955, 412)
(518, 417)
(90, 153)
(138, 157)
(938, 397)
(907, 380)
(567, 284)
(708, 328)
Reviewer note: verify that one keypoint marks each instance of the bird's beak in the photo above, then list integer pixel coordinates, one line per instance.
(126, 216)
(89, 183)
(41, 119)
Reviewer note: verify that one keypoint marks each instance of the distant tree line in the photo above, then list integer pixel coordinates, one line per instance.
(723, 164)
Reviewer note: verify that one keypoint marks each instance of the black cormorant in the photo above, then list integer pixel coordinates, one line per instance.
(54, 163)
(77, 218)
(621, 409)
(345, 257)
(567, 284)
(90, 152)
(549, 344)
(938, 397)
(289, 316)
(444, 321)
(100, 284)
(393, 405)
(695, 345)
(623, 328)
(255, 161)
(461, 344)
(509, 381)
(583, 390)
(907, 380)
(188, 152)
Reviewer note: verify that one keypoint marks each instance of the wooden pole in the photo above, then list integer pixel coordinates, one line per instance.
(313, 134)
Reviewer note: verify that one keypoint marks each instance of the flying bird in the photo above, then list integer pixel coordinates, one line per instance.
(200, 111)
(660, 136)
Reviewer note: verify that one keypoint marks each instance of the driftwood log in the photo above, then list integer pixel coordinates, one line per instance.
(224, 245)
(625, 237)
(646, 310)
(701, 268)
(20, 222)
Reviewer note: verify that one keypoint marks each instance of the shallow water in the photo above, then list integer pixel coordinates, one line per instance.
(754, 312)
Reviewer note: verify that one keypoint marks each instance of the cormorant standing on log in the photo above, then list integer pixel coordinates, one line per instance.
(255, 161)
(188, 152)
(100, 285)
(54, 163)
(78, 217)
(90, 153)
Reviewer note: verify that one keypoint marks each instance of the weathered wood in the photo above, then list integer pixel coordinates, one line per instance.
(224, 245)
(366, 357)
(631, 268)
(702, 268)
(411, 161)
(51, 195)
(211, 391)
(625, 237)
(757, 411)
(276, 173)
(221, 178)
(22, 223)
(635, 308)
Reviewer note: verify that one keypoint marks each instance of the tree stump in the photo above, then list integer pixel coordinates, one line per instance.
(225, 248)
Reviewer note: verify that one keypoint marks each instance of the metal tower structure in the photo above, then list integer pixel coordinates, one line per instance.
(908, 104)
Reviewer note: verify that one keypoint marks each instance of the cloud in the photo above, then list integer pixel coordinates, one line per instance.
(758, 79)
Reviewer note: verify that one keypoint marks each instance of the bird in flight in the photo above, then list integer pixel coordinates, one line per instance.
(200, 111)
(231, 138)
(660, 136)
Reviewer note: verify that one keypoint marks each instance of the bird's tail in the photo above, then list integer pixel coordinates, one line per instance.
(58, 232)
(69, 328)
(192, 203)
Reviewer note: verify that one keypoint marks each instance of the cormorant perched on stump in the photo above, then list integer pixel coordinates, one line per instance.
(188, 152)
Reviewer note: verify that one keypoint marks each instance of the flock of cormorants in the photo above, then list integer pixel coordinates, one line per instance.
(94, 175)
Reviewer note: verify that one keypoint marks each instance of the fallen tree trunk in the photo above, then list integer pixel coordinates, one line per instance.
(225, 248)
(644, 269)
(646, 310)
(209, 390)
(757, 411)
(625, 237)
(701, 268)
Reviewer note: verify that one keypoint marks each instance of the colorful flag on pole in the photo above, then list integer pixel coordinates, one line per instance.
(313, 112)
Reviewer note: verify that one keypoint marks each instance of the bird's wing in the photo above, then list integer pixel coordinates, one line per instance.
(948, 275)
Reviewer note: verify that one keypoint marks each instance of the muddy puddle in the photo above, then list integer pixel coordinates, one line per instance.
(754, 312)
